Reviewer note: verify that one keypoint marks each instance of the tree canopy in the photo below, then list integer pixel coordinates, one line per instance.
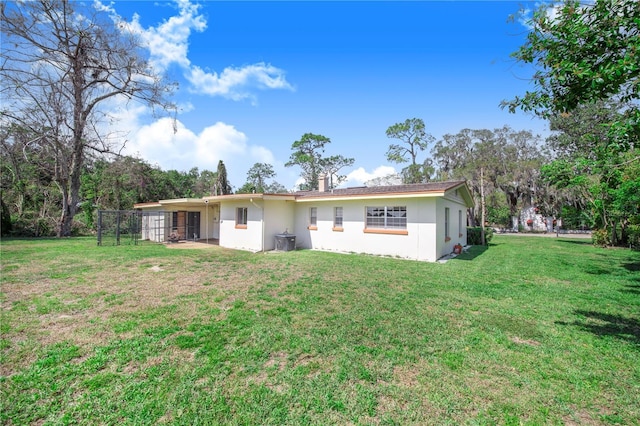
(587, 82)
(221, 185)
(308, 154)
(61, 62)
(510, 161)
(584, 53)
(258, 177)
(414, 140)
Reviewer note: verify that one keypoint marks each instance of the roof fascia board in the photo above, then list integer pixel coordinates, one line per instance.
(370, 196)
(181, 201)
(236, 197)
(146, 205)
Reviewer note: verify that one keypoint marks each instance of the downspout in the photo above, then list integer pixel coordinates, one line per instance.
(206, 220)
(261, 220)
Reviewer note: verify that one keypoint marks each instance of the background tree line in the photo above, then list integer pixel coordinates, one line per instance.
(516, 165)
(30, 199)
(56, 162)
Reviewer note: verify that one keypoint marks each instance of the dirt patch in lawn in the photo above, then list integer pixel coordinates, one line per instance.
(84, 311)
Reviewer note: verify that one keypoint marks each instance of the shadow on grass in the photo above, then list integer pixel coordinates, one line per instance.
(633, 289)
(594, 269)
(602, 325)
(631, 266)
(473, 252)
(582, 242)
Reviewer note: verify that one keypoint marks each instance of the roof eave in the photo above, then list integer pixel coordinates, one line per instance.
(260, 196)
(146, 205)
(374, 196)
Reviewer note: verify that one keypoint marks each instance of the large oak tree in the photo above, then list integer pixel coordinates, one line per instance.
(587, 56)
(510, 161)
(62, 61)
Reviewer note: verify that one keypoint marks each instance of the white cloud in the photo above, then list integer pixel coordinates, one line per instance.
(169, 42)
(184, 107)
(299, 181)
(170, 145)
(167, 142)
(159, 144)
(359, 176)
(168, 45)
(237, 83)
(262, 155)
(218, 142)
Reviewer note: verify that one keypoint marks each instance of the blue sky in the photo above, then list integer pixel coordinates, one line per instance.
(255, 76)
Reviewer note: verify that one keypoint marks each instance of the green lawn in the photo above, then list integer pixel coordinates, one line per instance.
(530, 331)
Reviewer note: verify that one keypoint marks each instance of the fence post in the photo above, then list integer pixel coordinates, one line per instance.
(99, 227)
(118, 228)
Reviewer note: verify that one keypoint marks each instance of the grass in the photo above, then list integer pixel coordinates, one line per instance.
(530, 331)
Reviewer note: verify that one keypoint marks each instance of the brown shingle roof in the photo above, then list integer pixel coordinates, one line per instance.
(382, 190)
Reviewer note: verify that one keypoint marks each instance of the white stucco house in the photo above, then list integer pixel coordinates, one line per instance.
(418, 221)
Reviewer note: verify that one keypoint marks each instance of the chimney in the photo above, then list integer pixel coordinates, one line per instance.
(323, 182)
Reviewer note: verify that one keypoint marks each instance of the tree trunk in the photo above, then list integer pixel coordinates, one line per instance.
(482, 237)
(71, 187)
(69, 210)
(614, 233)
(64, 225)
(71, 191)
(471, 217)
(624, 236)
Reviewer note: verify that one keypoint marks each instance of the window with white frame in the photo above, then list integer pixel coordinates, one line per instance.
(460, 223)
(446, 223)
(387, 217)
(337, 217)
(241, 217)
(313, 216)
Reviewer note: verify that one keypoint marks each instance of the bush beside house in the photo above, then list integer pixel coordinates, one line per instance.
(474, 235)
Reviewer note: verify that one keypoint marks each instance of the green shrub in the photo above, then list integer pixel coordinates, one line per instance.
(474, 235)
(500, 215)
(633, 236)
(575, 218)
(79, 228)
(30, 226)
(601, 238)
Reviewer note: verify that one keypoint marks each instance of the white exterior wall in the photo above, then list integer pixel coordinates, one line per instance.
(418, 244)
(426, 226)
(457, 230)
(278, 219)
(424, 237)
(242, 239)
